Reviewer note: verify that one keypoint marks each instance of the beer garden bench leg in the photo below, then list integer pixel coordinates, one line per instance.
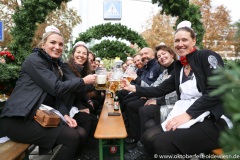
(104, 143)
(100, 149)
(121, 149)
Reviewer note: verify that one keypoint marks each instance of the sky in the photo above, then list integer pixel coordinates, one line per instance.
(135, 13)
(232, 6)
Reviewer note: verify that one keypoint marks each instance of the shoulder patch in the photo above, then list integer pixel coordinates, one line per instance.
(213, 62)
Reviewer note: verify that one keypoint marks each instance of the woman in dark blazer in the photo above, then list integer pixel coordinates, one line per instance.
(40, 82)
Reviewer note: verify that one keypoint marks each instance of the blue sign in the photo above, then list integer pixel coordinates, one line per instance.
(112, 10)
(1, 31)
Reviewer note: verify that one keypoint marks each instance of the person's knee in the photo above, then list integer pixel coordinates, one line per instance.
(149, 124)
(81, 134)
(69, 137)
(148, 135)
(146, 138)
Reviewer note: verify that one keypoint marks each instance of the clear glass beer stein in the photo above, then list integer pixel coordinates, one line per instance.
(101, 81)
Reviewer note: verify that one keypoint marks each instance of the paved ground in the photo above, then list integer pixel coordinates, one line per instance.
(35, 156)
(85, 155)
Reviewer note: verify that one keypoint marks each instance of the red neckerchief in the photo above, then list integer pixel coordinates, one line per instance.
(183, 59)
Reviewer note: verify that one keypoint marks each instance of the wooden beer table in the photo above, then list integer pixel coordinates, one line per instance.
(110, 127)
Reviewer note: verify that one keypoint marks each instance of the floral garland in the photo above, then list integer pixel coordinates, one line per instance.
(8, 54)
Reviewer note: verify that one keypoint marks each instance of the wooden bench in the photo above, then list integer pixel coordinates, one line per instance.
(110, 127)
(11, 150)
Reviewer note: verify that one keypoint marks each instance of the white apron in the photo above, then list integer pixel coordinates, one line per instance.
(189, 94)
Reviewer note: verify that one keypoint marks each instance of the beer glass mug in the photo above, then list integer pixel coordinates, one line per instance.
(115, 81)
(101, 81)
(130, 71)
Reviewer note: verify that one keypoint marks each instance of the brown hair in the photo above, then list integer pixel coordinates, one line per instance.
(94, 56)
(136, 55)
(187, 29)
(74, 67)
(166, 48)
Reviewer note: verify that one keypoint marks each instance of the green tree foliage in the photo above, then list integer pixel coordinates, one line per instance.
(184, 11)
(228, 81)
(8, 74)
(111, 49)
(237, 37)
(25, 19)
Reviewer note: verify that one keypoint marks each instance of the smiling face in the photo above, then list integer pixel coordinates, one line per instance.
(53, 45)
(147, 54)
(165, 58)
(80, 55)
(184, 42)
(92, 63)
(137, 60)
(124, 66)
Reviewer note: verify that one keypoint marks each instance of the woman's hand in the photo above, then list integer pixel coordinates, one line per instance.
(90, 79)
(70, 121)
(176, 121)
(125, 84)
(151, 102)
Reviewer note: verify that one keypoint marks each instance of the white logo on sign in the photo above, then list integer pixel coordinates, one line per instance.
(112, 11)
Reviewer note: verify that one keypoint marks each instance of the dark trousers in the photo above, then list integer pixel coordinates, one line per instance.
(20, 130)
(127, 99)
(200, 138)
(132, 111)
(149, 117)
(87, 121)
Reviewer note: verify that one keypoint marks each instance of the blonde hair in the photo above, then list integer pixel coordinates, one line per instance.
(45, 37)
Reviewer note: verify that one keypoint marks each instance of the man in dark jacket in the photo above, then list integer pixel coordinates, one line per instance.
(152, 70)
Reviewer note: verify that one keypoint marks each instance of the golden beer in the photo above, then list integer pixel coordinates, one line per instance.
(114, 85)
(109, 94)
(101, 83)
(107, 84)
(128, 78)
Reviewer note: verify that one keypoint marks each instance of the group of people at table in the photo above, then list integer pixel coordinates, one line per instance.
(168, 107)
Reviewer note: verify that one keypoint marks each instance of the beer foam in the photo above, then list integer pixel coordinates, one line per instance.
(101, 79)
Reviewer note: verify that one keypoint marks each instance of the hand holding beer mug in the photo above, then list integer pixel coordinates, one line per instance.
(90, 79)
(125, 84)
(101, 81)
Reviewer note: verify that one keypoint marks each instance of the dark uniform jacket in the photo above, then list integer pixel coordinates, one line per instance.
(202, 62)
(39, 78)
(150, 73)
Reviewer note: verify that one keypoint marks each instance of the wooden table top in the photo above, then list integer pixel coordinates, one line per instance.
(110, 127)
